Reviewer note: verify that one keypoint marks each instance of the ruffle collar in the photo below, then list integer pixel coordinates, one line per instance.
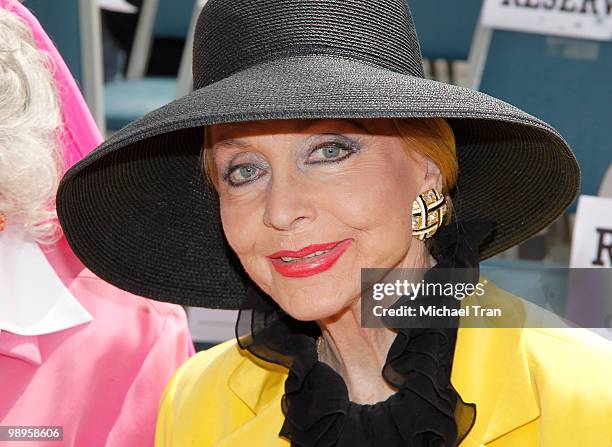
(425, 411)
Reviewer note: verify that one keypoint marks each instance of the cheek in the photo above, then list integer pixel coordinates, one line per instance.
(240, 225)
(376, 198)
(243, 228)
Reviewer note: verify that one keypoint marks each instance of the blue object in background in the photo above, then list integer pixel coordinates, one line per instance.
(60, 20)
(445, 27)
(173, 18)
(567, 83)
(127, 100)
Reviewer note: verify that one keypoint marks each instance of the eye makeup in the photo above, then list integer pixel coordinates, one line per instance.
(332, 143)
(330, 147)
(246, 167)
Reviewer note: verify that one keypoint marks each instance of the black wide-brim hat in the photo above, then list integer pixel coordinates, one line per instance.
(138, 212)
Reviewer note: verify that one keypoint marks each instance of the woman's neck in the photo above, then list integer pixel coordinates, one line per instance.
(358, 354)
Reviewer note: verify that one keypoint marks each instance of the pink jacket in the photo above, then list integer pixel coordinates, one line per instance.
(101, 381)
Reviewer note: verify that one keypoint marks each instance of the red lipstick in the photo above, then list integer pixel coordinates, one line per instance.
(301, 266)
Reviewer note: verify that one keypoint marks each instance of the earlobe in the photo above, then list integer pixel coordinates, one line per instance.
(433, 177)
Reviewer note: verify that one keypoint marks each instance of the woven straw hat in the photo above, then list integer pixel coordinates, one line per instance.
(139, 214)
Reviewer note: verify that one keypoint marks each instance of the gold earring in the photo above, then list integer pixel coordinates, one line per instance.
(428, 211)
(2, 222)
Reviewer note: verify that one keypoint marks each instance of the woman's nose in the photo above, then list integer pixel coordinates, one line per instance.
(288, 203)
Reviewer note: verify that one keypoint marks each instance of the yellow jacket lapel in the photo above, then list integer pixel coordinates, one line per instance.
(260, 386)
(491, 368)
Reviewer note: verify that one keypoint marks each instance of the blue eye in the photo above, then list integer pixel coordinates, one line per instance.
(331, 152)
(246, 171)
(242, 174)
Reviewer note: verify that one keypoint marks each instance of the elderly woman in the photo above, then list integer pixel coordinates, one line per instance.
(75, 352)
(312, 147)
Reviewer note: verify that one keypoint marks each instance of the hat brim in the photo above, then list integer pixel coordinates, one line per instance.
(139, 214)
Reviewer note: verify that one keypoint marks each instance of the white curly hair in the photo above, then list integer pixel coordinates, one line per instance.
(31, 162)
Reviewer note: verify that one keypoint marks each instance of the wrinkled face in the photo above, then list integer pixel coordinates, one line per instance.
(306, 204)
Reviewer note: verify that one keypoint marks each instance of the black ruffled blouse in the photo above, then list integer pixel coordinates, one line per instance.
(425, 411)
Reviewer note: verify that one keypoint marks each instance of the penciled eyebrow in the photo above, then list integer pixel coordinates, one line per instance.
(239, 144)
(232, 143)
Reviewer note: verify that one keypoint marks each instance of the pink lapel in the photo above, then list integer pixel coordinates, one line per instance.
(21, 347)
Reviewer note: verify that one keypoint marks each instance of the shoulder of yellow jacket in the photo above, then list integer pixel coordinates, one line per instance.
(210, 364)
(570, 370)
(561, 334)
(576, 360)
(577, 357)
(190, 396)
(207, 373)
(578, 337)
(568, 375)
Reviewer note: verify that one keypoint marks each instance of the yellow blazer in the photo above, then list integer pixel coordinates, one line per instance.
(532, 387)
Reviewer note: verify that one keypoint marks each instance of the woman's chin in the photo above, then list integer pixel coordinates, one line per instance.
(312, 315)
(311, 306)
